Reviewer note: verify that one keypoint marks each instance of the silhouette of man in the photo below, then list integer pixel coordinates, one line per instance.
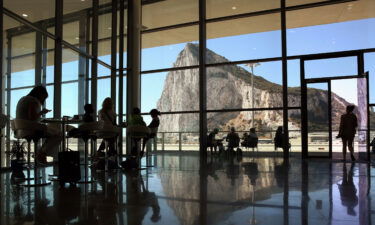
(348, 125)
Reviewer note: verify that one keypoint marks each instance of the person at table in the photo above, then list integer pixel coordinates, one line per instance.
(211, 141)
(87, 118)
(135, 119)
(154, 125)
(29, 108)
(108, 116)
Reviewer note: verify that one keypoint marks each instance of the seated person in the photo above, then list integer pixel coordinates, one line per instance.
(372, 144)
(107, 115)
(87, 118)
(211, 141)
(135, 118)
(253, 138)
(245, 139)
(279, 138)
(29, 108)
(233, 139)
(154, 125)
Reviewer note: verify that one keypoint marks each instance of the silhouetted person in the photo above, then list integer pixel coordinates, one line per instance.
(88, 116)
(211, 141)
(135, 118)
(233, 140)
(348, 191)
(29, 108)
(372, 144)
(348, 125)
(154, 125)
(279, 138)
(108, 116)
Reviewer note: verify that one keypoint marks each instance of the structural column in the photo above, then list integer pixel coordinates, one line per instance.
(121, 73)
(94, 53)
(202, 82)
(58, 58)
(285, 81)
(133, 81)
(113, 50)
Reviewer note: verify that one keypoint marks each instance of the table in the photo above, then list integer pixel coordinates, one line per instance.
(63, 122)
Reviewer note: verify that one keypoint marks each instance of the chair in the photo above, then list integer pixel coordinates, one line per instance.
(137, 133)
(30, 131)
(105, 133)
(85, 131)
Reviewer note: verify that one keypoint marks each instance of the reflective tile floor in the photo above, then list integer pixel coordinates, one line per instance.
(177, 190)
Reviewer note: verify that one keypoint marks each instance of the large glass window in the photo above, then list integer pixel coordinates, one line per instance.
(243, 39)
(254, 85)
(170, 48)
(346, 26)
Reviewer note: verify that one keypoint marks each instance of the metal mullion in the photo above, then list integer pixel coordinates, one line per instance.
(38, 58)
(304, 123)
(9, 72)
(44, 60)
(58, 58)
(329, 118)
(113, 52)
(2, 88)
(82, 73)
(121, 72)
(94, 52)
(202, 81)
(88, 24)
(170, 69)
(284, 80)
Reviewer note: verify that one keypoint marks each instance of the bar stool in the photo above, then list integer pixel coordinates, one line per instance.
(107, 133)
(86, 133)
(137, 133)
(30, 131)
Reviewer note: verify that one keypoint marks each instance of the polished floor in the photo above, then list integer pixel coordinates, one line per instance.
(177, 190)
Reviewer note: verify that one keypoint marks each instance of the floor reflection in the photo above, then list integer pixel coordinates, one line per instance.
(226, 190)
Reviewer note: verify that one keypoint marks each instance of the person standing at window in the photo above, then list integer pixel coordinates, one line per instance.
(348, 126)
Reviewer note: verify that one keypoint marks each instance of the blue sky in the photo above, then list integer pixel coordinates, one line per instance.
(306, 40)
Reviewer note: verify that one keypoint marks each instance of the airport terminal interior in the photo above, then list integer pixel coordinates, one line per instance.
(187, 112)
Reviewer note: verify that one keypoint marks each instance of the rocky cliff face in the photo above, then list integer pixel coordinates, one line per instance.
(229, 87)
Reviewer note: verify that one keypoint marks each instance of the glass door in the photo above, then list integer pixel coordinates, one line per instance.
(318, 119)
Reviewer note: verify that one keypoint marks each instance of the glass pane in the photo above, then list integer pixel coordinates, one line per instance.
(318, 119)
(30, 10)
(69, 99)
(16, 95)
(343, 27)
(75, 6)
(104, 91)
(170, 48)
(344, 66)
(70, 65)
(169, 12)
(173, 91)
(23, 72)
(246, 38)
(178, 128)
(231, 86)
(220, 8)
(71, 32)
(23, 44)
(294, 83)
(370, 67)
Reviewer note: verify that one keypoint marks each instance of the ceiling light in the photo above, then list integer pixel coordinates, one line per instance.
(77, 38)
(109, 28)
(82, 0)
(234, 7)
(24, 15)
